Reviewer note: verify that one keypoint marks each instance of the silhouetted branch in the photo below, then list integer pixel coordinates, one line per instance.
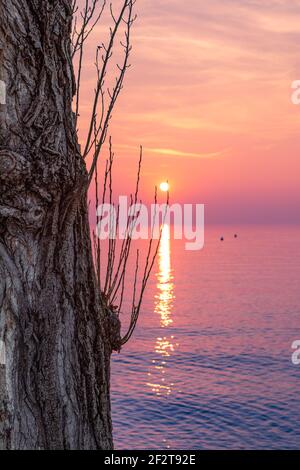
(136, 306)
(83, 24)
(102, 125)
(115, 268)
(114, 265)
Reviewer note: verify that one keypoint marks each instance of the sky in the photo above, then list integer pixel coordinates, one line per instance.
(208, 96)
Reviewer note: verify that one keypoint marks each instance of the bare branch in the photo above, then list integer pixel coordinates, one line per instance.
(102, 125)
(111, 270)
(136, 307)
(115, 268)
(87, 19)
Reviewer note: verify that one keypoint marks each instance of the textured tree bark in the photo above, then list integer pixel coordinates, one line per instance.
(55, 382)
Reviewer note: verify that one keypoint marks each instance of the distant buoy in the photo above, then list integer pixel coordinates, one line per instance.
(235, 236)
(222, 239)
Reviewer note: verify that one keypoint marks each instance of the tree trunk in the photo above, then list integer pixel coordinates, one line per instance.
(54, 386)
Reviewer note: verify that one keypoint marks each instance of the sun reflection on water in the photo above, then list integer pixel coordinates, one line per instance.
(165, 344)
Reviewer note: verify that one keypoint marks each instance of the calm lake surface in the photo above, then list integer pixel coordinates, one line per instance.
(209, 366)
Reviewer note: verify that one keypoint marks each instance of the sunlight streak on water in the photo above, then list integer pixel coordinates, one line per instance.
(165, 286)
(164, 346)
(211, 368)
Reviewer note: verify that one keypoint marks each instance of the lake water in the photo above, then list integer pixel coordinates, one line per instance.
(209, 366)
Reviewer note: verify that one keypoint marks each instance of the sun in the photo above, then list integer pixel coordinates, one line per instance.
(164, 186)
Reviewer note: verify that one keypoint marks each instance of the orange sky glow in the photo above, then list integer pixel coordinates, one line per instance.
(209, 98)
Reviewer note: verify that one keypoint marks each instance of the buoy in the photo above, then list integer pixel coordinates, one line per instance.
(235, 236)
(222, 239)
